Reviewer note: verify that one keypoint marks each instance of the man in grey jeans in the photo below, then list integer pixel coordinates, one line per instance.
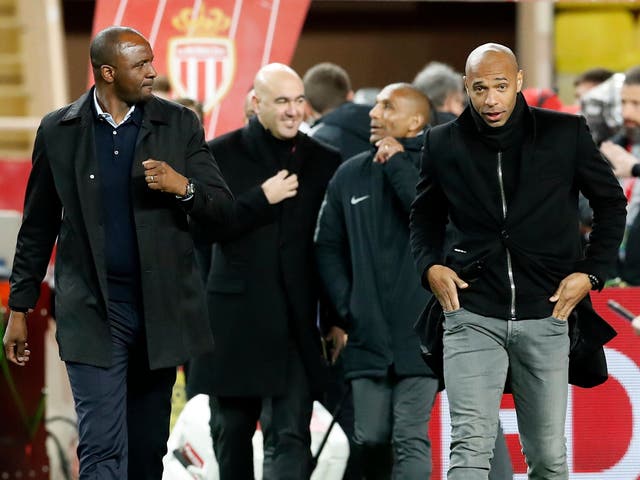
(506, 178)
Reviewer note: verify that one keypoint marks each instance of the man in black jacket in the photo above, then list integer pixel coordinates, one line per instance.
(362, 247)
(507, 178)
(116, 177)
(263, 286)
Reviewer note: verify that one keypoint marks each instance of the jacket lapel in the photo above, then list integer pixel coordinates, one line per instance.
(79, 119)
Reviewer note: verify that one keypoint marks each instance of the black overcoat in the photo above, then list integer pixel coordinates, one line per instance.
(63, 201)
(264, 261)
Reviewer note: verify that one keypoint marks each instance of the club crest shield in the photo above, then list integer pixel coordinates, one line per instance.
(201, 65)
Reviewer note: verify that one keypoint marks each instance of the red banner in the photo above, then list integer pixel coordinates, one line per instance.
(211, 49)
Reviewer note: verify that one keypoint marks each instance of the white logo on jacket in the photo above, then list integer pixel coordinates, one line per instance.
(356, 200)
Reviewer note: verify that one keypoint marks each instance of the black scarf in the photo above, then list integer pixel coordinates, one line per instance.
(278, 151)
(504, 137)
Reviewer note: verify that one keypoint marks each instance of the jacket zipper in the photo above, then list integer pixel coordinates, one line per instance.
(512, 285)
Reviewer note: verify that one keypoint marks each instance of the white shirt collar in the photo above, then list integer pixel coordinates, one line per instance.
(107, 116)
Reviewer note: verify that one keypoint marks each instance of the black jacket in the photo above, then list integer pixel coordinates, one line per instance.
(63, 200)
(263, 285)
(345, 128)
(362, 247)
(558, 160)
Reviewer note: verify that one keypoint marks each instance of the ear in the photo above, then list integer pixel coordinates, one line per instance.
(255, 102)
(464, 81)
(416, 122)
(108, 73)
(350, 96)
(519, 80)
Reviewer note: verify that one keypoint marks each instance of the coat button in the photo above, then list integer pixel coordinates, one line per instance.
(504, 234)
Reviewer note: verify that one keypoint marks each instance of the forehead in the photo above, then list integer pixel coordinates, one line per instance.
(134, 45)
(285, 85)
(492, 66)
(630, 92)
(389, 94)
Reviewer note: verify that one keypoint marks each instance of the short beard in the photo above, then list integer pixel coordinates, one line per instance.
(633, 134)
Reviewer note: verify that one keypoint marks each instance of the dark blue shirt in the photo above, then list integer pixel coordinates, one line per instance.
(115, 151)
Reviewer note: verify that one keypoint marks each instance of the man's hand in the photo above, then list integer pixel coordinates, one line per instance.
(444, 284)
(338, 339)
(387, 148)
(15, 339)
(621, 160)
(160, 176)
(280, 186)
(571, 290)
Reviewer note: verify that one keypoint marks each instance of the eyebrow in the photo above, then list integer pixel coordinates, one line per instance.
(498, 79)
(282, 97)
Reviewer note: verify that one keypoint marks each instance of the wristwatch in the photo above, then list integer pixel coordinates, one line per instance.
(189, 192)
(595, 281)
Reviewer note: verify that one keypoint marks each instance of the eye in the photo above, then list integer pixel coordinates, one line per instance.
(502, 87)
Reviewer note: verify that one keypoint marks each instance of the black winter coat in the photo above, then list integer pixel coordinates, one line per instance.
(559, 159)
(362, 246)
(263, 286)
(63, 200)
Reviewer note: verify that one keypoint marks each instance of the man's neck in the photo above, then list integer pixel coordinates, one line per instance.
(112, 105)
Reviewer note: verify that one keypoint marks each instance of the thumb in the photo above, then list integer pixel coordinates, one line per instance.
(556, 296)
(283, 173)
(459, 282)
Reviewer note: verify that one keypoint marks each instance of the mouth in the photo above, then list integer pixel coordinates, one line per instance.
(493, 117)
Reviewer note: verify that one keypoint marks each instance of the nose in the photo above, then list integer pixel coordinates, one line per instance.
(152, 71)
(492, 97)
(374, 112)
(291, 111)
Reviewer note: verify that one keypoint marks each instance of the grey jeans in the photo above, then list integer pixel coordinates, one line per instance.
(478, 351)
(397, 410)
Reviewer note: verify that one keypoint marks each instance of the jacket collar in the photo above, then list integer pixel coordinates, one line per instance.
(81, 109)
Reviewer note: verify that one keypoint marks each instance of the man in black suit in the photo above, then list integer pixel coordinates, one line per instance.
(506, 177)
(116, 176)
(263, 285)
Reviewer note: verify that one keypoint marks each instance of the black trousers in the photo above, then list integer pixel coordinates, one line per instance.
(285, 428)
(123, 411)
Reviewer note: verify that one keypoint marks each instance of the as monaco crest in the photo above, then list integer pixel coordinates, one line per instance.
(201, 65)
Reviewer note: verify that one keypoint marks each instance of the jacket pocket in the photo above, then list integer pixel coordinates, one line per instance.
(226, 284)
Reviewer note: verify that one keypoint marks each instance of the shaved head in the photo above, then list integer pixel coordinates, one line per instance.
(108, 43)
(271, 75)
(279, 100)
(492, 81)
(477, 56)
(401, 111)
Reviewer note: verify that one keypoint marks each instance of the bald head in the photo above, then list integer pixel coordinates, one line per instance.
(108, 43)
(493, 50)
(401, 111)
(492, 81)
(279, 100)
